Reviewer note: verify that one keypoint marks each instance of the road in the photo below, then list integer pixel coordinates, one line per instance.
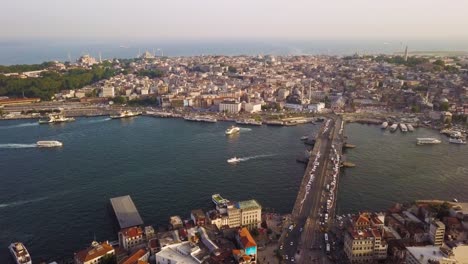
(305, 242)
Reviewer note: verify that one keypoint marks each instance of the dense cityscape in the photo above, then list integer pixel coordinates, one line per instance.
(250, 132)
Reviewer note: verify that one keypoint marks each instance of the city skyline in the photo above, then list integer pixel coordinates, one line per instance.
(206, 20)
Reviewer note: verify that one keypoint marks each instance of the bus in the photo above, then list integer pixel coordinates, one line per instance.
(328, 248)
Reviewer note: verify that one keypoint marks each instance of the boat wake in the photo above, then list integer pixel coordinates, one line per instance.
(245, 129)
(17, 146)
(99, 120)
(20, 125)
(255, 157)
(18, 203)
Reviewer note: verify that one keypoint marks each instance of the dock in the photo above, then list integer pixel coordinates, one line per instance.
(125, 211)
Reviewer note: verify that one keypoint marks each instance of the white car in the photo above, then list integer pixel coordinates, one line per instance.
(292, 243)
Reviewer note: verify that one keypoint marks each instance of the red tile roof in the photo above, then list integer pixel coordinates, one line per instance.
(134, 259)
(94, 252)
(246, 239)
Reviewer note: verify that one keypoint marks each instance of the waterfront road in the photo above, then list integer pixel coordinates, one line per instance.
(303, 242)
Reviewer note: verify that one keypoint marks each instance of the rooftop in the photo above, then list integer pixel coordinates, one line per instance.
(246, 239)
(95, 251)
(424, 254)
(126, 212)
(249, 205)
(177, 253)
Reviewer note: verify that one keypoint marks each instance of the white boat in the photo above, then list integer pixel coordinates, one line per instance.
(393, 127)
(124, 114)
(457, 141)
(384, 125)
(410, 127)
(49, 144)
(425, 141)
(232, 130)
(20, 253)
(251, 122)
(304, 138)
(56, 119)
(233, 160)
(455, 200)
(403, 127)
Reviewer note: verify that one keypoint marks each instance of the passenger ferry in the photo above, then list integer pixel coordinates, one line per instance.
(124, 114)
(384, 125)
(49, 144)
(55, 118)
(232, 130)
(20, 253)
(251, 122)
(233, 160)
(425, 141)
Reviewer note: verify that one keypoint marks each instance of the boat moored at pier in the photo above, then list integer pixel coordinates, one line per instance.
(384, 125)
(403, 127)
(251, 122)
(393, 127)
(457, 141)
(124, 114)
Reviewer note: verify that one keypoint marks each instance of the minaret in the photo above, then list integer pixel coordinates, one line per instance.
(406, 53)
(100, 57)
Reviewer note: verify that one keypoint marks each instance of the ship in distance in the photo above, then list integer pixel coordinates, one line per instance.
(393, 127)
(233, 160)
(425, 141)
(249, 121)
(19, 253)
(49, 144)
(124, 114)
(232, 130)
(55, 118)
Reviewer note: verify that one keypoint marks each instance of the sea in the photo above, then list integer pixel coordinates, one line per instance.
(29, 51)
(56, 201)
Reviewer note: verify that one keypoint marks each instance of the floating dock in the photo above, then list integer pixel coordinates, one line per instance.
(125, 211)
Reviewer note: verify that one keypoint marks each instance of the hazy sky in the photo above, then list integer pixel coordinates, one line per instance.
(222, 19)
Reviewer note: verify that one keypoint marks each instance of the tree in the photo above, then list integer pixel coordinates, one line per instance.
(120, 100)
(444, 106)
(232, 69)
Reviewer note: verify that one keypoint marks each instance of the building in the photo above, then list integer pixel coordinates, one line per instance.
(429, 254)
(108, 91)
(176, 222)
(367, 245)
(180, 253)
(231, 107)
(316, 108)
(139, 257)
(198, 217)
(251, 213)
(234, 216)
(247, 243)
(252, 107)
(132, 237)
(95, 253)
(437, 233)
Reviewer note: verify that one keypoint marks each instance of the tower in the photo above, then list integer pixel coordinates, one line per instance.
(406, 53)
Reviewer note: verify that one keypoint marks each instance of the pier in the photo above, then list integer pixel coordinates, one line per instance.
(125, 211)
(314, 208)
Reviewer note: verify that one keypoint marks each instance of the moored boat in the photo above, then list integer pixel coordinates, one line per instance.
(410, 127)
(20, 253)
(251, 122)
(457, 141)
(124, 114)
(403, 127)
(384, 125)
(393, 127)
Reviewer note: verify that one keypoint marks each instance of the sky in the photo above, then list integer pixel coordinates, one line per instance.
(234, 19)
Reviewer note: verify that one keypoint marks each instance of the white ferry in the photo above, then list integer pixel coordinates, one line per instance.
(124, 114)
(457, 141)
(403, 127)
(410, 127)
(424, 141)
(232, 130)
(218, 200)
(49, 144)
(56, 119)
(251, 122)
(233, 160)
(20, 253)
(393, 127)
(384, 125)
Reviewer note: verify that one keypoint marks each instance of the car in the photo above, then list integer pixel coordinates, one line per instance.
(281, 247)
(292, 243)
(300, 230)
(286, 256)
(292, 259)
